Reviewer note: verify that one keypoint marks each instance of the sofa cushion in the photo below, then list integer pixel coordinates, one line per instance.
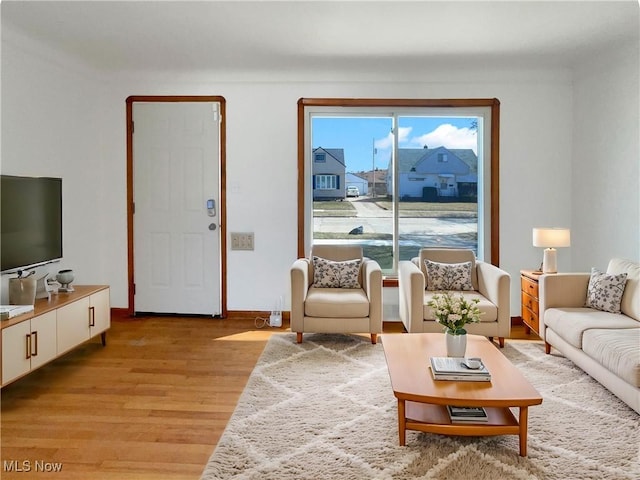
(605, 291)
(448, 276)
(488, 309)
(336, 303)
(616, 350)
(333, 274)
(630, 304)
(570, 323)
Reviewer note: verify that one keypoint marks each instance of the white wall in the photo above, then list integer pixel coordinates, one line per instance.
(51, 126)
(79, 120)
(606, 160)
(264, 113)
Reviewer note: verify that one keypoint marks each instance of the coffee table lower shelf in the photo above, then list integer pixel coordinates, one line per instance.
(430, 418)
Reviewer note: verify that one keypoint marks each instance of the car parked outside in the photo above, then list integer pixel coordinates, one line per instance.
(352, 191)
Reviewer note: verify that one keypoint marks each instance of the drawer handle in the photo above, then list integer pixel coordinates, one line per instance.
(34, 352)
(28, 346)
(92, 316)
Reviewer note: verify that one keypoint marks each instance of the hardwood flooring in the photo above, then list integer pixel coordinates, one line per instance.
(152, 404)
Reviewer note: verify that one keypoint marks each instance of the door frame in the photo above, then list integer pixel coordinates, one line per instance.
(222, 203)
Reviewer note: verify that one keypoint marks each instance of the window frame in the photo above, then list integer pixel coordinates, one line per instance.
(493, 177)
(326, 178)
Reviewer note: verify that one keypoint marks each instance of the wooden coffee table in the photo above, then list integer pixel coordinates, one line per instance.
(422, 400)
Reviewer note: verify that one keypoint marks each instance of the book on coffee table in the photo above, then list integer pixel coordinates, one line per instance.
(467, 414)
(455, 368)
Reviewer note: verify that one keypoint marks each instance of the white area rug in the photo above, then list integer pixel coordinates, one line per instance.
(324, 409)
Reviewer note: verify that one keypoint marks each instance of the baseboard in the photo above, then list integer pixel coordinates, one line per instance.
(120, 313)
(286, 316)
(244, 314)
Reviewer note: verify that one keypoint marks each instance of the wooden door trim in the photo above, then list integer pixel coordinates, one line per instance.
(222, 207)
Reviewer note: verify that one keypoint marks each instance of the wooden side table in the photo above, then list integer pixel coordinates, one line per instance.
(530, 300)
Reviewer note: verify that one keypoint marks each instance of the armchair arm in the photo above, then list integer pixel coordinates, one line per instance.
(561, 290)
(411, 286)
(495, 285)
(372, 284)
(299, 287)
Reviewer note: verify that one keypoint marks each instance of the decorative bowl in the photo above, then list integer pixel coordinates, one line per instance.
(65, 277)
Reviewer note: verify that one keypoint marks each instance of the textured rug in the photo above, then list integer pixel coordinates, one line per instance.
(324, 409)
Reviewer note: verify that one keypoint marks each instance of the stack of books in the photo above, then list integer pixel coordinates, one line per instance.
(467, 414)
(455, 368)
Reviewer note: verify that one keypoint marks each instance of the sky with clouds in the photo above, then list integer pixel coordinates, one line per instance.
(360, 137)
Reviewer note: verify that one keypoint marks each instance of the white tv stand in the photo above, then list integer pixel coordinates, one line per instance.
(55, 327)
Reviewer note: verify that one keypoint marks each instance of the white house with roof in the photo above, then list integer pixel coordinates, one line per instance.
(328, 169)
(430, 173)
(353, 180)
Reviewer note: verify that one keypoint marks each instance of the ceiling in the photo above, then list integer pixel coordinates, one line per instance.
(308, 35)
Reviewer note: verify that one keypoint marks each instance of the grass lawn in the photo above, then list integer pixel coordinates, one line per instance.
(407, 209)
(432, 209)
(333, 208)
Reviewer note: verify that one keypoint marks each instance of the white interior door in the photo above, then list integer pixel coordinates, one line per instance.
(176, 157)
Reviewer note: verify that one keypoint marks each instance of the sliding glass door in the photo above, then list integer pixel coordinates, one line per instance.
(394, 180)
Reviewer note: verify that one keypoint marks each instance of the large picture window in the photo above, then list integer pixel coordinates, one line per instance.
(404, 174)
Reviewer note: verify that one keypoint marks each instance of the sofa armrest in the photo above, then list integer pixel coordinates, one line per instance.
(495, 285)
(300, 281)
(411, 286)
(372, 284)
(561, 290)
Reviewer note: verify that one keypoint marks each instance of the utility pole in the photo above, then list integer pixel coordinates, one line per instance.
(373, 167)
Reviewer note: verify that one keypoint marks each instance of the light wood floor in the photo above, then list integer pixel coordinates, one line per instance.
(151, 405)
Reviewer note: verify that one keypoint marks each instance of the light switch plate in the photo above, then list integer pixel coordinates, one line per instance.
(241, 240)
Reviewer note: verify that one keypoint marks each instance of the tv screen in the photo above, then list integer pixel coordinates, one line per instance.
(30, 222)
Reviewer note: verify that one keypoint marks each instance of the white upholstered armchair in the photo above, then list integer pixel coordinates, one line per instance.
(341, 292)
(489, 284)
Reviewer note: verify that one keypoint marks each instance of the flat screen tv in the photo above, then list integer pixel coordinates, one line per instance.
(30, 222)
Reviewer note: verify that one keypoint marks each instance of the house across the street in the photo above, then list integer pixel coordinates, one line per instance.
(436, 173)
(328, 174)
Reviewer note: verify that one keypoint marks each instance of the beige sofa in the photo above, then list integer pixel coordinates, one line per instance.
(336, 310)
(605, 345)
(490, 285)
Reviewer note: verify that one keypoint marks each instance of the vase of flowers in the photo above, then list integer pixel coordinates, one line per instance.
(453, 312)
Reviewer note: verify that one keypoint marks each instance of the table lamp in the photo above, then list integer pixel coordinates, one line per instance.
(551, 238)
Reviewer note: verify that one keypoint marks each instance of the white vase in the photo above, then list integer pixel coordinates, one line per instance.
(456, 344)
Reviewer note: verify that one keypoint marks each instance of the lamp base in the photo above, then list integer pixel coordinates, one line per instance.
(549, 262)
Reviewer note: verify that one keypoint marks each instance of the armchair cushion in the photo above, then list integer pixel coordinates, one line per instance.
(448, 276)
(333, 274)
(488, 309)
(336, 303)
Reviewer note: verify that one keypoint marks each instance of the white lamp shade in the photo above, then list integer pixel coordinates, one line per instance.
(551, 237)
